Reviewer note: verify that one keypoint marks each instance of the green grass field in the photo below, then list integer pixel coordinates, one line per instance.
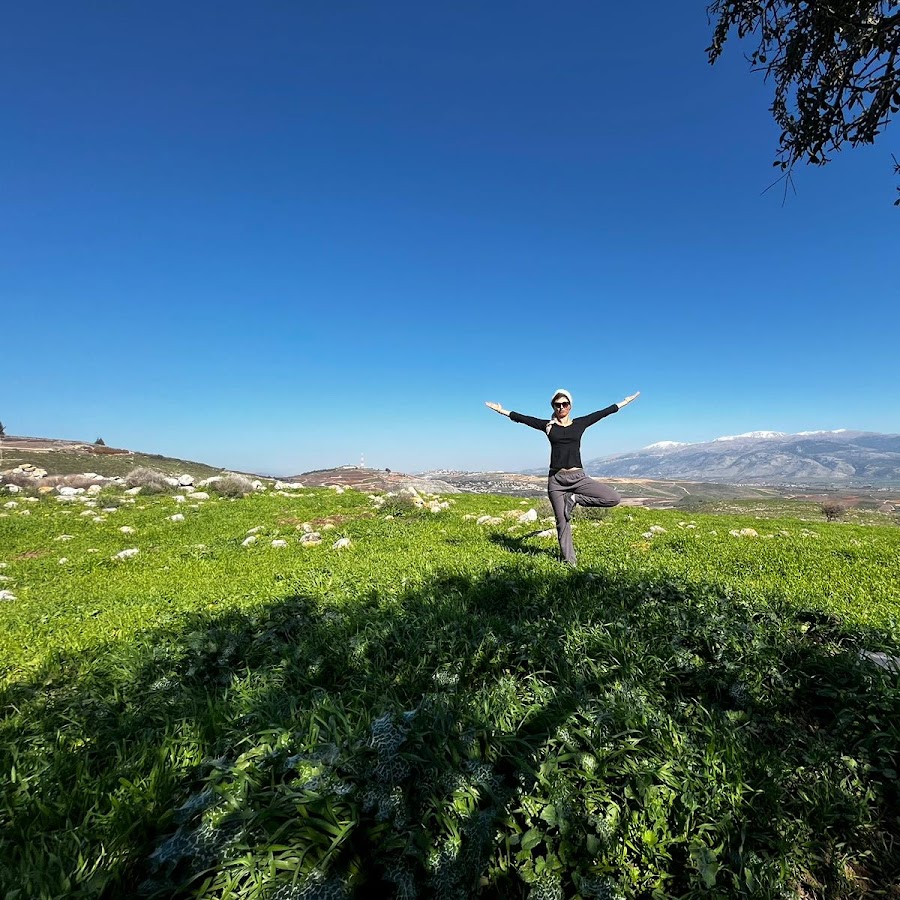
(442, 709)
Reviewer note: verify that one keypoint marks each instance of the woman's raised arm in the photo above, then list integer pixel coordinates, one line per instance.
(496, 407)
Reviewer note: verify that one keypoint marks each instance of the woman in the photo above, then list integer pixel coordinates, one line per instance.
(568, 483)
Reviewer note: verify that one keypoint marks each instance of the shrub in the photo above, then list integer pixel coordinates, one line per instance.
(149, 480)
(232, 486)
(833, 509)
(100, 442)
(544, 510)
(29, 486)
(19, 479)
(110, 495)
(590, 513)
(402, 505)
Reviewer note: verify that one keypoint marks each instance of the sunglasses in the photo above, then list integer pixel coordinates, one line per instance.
(562, 405)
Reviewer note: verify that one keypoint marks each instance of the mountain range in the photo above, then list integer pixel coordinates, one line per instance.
(837, 458)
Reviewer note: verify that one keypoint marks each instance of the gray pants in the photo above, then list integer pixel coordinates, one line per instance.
(586, 492)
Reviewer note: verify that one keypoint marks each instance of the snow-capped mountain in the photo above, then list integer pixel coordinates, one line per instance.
(765, 457)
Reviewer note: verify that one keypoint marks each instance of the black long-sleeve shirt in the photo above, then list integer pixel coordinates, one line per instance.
(565, 440)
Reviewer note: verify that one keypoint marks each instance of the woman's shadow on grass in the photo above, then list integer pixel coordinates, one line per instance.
(518, 545)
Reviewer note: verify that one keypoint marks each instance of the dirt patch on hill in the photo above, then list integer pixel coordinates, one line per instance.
(340, 518)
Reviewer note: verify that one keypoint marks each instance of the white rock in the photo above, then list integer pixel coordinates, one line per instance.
(10, 505)
(185, 480)
(178, 517)
(94, 489)
(199, 495)
(65, 537)
(13, 488)
(63, 560)
(7, 595)
(488, 520)
(87, 512)
(279, 543)
(254, 530)
(250, 540)
(208, 481)
(258, 486)
(127, 554)
(98, 519)
(126, 529)
(647, 534)
(65, 491)
(133, 492)
(179, 498)
(328, 526)
(882, 660)
(657, 529)
(530, 516)
(311, 538)
(341, 544)
(337, 488)
(548, 533)
(744, 532)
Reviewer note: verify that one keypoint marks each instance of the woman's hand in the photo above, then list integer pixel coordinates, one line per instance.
(496, 407)
(628, 400)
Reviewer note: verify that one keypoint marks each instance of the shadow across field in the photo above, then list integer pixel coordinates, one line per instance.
(571, 734)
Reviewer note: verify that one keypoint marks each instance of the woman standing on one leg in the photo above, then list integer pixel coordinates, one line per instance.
(568, 484)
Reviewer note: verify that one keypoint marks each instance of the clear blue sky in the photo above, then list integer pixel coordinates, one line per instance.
(274, 236)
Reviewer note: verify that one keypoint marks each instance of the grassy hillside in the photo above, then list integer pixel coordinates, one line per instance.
(73, 462)
(442, 709)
